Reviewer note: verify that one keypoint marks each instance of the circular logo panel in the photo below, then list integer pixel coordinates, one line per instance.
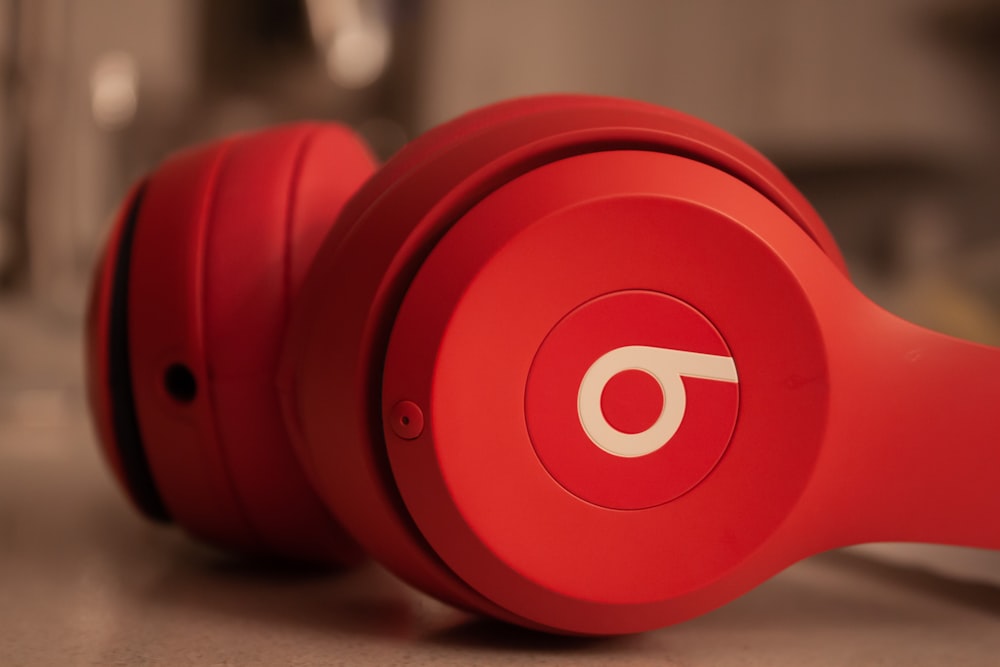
(632, 399)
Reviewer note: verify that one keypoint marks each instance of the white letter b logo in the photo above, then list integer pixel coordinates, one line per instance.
(668, 367)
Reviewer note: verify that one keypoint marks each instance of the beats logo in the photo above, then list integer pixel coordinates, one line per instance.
(632, 399)
(666, 367)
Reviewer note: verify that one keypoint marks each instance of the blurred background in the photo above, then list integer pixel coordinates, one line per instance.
(885, 112)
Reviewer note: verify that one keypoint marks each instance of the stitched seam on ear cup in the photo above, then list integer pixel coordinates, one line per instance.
(128, 440)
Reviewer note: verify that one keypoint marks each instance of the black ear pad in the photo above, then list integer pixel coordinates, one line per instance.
(108, 308)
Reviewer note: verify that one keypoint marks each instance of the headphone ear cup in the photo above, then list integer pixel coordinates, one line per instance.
(335, 366)
(188, 310)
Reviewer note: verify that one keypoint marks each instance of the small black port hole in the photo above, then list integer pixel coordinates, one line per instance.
(180, 383)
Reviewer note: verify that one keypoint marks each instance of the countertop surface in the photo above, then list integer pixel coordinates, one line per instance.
(84, 581)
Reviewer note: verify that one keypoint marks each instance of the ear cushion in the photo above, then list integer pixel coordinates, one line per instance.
(220, 243)
(108, 372)
(331, 372)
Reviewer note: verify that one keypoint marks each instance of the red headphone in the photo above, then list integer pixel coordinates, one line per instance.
(582, 364)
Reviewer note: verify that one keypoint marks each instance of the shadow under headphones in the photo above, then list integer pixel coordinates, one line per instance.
(581, 364)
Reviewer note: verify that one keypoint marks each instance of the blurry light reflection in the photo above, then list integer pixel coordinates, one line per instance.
(114, 94)
(354, 38)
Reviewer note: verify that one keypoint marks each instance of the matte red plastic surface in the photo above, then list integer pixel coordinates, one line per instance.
(164, 324)
(223, 239)
(472, 255)
(442, 332)
(278, 194)
(340, 325)
(840, 437)
(469, 330)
